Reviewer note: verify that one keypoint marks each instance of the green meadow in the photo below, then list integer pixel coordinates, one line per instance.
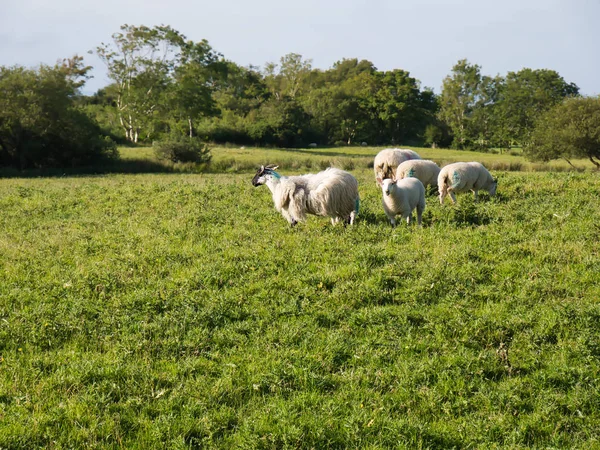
(179, 310)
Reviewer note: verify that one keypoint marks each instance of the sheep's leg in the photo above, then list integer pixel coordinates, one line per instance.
(420, 210)
(443, 192)
(408, 217)
(476, 192)
(352, 218)
(452, 196)
(392, 221)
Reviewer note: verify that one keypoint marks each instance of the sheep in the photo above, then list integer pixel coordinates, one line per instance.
(424, 170)
(463, 177)
(402, 197)
(332, 193)
(363, 144)
(388, 160)
(313, 145)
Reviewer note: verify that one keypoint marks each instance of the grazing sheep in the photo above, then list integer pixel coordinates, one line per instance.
(332, 193)
(313, 145)
(363, 144)
(402, 197)
(463, 177)
(424, 170)
(388, 160)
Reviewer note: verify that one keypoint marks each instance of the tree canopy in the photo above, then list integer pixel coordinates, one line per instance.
(570, 129)
(165, 86)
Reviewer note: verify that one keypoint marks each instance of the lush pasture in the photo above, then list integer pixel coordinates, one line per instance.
(179, 310)
(236, 159)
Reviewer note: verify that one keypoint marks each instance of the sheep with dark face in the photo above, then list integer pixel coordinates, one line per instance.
(332, 193)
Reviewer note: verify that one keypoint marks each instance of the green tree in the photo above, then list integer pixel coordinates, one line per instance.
(524, 96)
(140, 62)
(570, 129)
(457, 100)
(194, 80)
(40, 123)
(286, 79)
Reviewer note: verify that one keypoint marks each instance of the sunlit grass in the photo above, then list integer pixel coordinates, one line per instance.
(180, 310)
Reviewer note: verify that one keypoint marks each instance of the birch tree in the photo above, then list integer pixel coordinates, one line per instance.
(140, 61)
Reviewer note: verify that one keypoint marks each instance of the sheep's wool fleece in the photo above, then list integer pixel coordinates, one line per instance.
(332, 193)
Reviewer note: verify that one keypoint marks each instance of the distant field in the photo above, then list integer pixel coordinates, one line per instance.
(180, 311)
(235, 159)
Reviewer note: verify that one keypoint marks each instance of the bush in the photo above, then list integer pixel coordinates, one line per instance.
(182, 149)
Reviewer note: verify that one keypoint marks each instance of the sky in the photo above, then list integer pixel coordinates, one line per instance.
(425, 38)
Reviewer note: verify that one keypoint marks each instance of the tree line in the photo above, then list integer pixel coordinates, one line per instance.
(165, 87)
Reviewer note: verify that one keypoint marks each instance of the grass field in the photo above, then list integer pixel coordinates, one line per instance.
(239, 159)
(181, 311)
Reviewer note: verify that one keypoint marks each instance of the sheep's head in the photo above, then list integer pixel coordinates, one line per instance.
(493, 188)
(387, 185)
(263, 173)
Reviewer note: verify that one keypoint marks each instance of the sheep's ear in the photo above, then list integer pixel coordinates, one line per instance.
(272, 166)
(379, 181)
(262, 168)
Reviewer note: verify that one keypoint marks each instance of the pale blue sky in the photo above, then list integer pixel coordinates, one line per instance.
(424, 37)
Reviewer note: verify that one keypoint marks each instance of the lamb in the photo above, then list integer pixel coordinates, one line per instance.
(332, 193)
(402, 197)
(388, 160)
(424, 170)
(463, 177)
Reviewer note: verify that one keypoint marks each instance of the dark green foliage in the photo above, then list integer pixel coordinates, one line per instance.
(569, 130)
(40, 125)
(182, 149)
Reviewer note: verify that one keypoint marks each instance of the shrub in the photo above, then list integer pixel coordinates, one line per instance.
(182, 149)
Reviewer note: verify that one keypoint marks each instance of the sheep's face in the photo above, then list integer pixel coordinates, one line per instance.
(492, 190)
(263, 174)
(387, 186)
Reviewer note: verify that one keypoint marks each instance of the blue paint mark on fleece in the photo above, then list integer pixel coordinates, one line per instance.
(357, 205)
(275, 174)
(455, 178)
(411, 172)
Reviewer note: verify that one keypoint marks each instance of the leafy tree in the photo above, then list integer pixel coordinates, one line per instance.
(460, 92)
(524, 96)
(571, 129)
(286, 79)
(402, 109)
(40, 124)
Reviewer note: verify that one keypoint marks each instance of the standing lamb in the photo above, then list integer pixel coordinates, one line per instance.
(332, 193)
(424, 170)
(463, 177)
(388, 160)
(402, 197)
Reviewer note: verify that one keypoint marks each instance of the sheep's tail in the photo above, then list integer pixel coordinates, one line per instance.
(443, 186)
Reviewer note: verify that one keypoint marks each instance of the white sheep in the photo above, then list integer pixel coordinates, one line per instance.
(331, 193)
(388, 160)
(401, 197)
(424, 170)
(463, 177)
(313, 145)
